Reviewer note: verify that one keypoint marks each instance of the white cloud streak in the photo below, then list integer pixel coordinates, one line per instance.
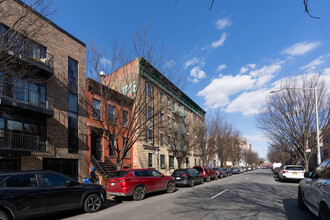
(223, 23)
(301, 48)
(219, 42)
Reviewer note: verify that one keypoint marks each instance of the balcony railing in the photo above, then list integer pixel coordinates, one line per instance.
(14, 141)
(22, 94)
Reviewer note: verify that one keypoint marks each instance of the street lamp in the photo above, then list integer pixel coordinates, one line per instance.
(317, 118)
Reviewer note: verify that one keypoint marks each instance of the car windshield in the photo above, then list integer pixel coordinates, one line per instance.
(294, 168)
(180, 172)
(199, 169)
(118, 174)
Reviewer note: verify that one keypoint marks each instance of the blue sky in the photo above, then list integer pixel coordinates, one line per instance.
(230, 57)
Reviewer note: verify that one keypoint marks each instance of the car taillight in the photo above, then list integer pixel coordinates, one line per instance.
(285, 171)
(185, 175)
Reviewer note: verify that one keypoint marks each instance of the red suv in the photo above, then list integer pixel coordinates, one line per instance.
(207, 172)
(138, 182)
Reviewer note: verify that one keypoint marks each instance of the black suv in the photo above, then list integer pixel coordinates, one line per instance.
(28, 193)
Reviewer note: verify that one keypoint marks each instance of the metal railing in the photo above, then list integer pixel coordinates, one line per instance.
(96, 164)
(108, 161)
(14, 141)
(22, 94)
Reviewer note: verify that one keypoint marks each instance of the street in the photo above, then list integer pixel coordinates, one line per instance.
(253, 195)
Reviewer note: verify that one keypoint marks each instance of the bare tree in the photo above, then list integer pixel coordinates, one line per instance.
(204, 145)
(20, 25)
(276, 154)
(289, 115)
(251, 158)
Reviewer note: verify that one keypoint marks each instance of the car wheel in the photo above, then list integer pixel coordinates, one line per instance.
(92, 203)
(202, 181)
(170, 187)
(208, 179)
(3, 215)
(216, 177)
(324, 212)
(301, 204)
(192, 183)
(139, 193)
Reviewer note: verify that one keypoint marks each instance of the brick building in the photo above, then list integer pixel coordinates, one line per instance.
(151, 150)
(106, 115)
(42, 121)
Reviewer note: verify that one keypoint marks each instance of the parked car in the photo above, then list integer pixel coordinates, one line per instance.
(314, 191)
(228, 172)
(138, 182)
(220, 172)
(291, 172)
(187, 176)
(28, 193)
(207, 172)
(235, 170)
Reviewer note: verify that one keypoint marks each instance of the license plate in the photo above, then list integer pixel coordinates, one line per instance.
(295, 173)
(112, 184)
(177, 178)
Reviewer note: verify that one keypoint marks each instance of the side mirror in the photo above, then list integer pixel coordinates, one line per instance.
(70, 183)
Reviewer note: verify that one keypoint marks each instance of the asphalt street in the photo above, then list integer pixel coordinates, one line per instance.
(253, 195)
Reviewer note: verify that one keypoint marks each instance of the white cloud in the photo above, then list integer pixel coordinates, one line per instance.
(266, 73)
(312, 65)
(105, 61)
(217, 93)
(221, 67)
(301, 48)
(170, 63)
(191, 62)
(259, 138)
(219, 42)
(248, 102)
(196, 74)
(246, 68)
(223, 23)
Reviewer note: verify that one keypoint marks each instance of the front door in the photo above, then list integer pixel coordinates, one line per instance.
(96, 146)
(8, 163)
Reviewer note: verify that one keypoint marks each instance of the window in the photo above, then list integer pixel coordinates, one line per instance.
(141, 173)
(326, 173)
(168, 102)
(149, 136)
(54, 179)
(161, 98)
(125, 118)
(112, 113)
(22, 181)
(72, 73)
(161, 140)
(169, 121)
(96, 109)
(187, 161)
(112, 145)
(148, 89)
(173, 122)
(73, 123)
(155, 173)
(173, 105)
(149, 159)
(179, 107)
(161, 119)
(185, 113)
(125, 143)
(162, 161)
(318, 170)
(171, 161)
(149, 112)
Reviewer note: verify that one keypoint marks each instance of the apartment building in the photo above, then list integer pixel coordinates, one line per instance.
(107, 120)
(167, 106)
(42, 121)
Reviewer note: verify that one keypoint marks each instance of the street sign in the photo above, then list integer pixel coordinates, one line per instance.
(308, 150)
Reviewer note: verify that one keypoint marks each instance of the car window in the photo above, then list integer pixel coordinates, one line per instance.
(191, 171)
(179, 172)
(318, 170)
(294, 168)
(28, 180)
(141, 173)
(54, 179)
(154, 173)
(326, 173)
(118, 174)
